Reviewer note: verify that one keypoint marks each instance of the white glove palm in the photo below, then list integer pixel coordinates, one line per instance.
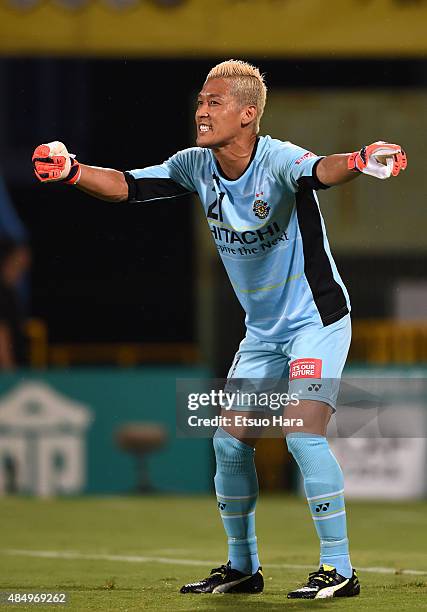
(380, 159)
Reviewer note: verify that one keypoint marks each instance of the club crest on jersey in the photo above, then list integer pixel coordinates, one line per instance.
(260, 207)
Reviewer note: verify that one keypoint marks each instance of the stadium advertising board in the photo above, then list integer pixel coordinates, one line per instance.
(73, 432)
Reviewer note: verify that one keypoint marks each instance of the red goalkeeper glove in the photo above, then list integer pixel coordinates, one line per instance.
(52, 162)
(380, 159)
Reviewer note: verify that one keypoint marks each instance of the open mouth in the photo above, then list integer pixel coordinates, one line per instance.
(204, 128)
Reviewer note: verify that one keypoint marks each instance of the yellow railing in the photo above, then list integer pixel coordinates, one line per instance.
(36, 332)
(382, 341)
(43, 354)
(375, 341)
(122, 354)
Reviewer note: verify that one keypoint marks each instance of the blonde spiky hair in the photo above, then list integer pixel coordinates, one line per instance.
(248, 83)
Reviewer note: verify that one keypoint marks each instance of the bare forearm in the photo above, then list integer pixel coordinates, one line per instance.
(333, 170)
(103, 183)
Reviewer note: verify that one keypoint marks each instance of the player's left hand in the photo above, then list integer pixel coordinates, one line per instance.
(380, 159)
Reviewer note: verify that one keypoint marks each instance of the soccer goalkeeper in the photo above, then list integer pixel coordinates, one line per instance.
(259, 196)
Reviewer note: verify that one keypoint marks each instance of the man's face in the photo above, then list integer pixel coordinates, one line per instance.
(218, 115)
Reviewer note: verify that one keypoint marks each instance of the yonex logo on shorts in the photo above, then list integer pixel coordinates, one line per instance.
(305, 368)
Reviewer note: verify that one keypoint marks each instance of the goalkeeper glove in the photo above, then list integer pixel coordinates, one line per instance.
(380, 159)
(52, 162)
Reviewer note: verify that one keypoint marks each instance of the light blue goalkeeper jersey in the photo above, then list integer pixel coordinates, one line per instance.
(268, 230)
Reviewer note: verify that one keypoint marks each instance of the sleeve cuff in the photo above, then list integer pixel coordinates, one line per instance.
(130, 180)
(316, 183)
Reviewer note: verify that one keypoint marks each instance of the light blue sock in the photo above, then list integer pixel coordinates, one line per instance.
(324, 488)
(236, 487)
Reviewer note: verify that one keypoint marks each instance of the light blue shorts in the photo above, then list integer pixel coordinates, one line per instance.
(312, 361)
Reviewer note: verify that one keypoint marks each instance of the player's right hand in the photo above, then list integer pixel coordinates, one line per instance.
(52, 162)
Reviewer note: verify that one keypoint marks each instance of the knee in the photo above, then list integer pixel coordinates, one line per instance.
(312, 454)
(232, 455)
(306, 445)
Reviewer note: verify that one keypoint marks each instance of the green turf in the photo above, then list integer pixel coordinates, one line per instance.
(382, 534)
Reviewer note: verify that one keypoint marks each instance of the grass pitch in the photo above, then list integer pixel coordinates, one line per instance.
(134, 553)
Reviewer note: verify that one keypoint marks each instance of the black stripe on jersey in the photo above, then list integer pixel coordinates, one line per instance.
(327, 293)
(313, 180)
(149, 189)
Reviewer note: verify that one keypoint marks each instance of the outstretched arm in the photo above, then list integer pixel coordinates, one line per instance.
(103, 183)
(379, 159)
(53, 163)
(333, 170)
